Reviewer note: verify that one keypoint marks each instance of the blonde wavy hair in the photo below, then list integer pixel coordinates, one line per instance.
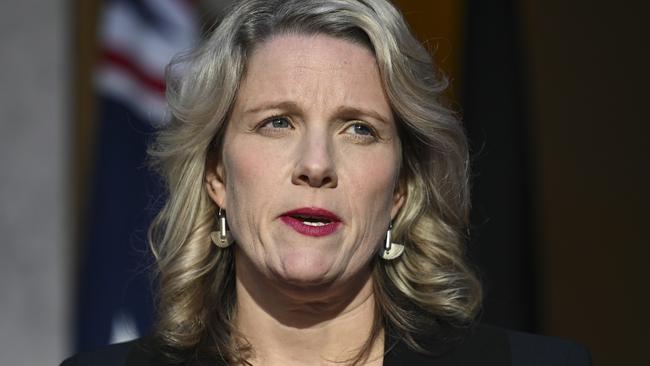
(430, 285)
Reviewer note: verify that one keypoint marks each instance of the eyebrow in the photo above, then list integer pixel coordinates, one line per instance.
(356, 111)
(273, 105)
(342, 110)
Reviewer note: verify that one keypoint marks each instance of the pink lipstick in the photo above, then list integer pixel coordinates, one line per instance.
(312, 221)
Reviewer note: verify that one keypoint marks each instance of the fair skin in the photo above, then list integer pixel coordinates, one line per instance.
(311, 128)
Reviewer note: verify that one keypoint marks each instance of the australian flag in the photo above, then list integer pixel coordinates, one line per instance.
(138, 38)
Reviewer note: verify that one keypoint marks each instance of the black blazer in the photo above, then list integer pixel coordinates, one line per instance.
(484, 346)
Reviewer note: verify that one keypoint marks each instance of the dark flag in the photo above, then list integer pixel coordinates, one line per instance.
(138, 38)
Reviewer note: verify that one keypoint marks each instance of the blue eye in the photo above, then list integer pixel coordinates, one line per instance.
(278, 122)
(360, 129)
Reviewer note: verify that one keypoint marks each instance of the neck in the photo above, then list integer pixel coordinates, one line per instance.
(317, 326)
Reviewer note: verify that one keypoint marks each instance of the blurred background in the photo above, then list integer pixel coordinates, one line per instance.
(553, 94)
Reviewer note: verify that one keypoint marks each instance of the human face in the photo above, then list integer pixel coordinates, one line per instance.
(311, 130)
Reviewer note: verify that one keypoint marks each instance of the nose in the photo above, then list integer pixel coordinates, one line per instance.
(315, 165)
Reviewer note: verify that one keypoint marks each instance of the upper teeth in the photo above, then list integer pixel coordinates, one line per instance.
(314, 223)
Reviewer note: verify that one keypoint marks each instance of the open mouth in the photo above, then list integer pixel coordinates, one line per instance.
(312, 221)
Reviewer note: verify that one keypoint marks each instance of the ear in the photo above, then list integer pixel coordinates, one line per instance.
(215, 181)
(399, 196)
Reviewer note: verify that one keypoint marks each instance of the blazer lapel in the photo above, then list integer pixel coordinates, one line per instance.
(479, 346)
(398, 353)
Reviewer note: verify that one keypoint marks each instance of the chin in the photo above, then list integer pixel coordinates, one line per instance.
(305, 270)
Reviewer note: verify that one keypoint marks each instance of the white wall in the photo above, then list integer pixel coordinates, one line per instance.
(35, 141)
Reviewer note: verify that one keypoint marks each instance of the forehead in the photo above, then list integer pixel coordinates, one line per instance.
(315, 66)
(304, 46)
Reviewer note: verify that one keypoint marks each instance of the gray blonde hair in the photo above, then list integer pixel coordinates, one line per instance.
(429, 285)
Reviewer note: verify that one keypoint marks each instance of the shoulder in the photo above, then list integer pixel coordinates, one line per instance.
(119, 354)
(491, 346)
(519, 349)
(529, 349)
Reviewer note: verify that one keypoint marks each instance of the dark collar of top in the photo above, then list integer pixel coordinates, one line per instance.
(482, 345)
(478, 346)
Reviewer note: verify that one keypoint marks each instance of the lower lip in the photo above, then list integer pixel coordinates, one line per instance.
(309, 230)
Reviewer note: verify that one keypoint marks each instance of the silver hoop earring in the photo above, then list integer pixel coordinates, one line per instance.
(391, 250)
(222, 237)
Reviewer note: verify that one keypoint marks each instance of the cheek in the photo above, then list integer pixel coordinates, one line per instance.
(242, 168)
(242, 165)
(252, 179)
(373, 181)
(251, 161)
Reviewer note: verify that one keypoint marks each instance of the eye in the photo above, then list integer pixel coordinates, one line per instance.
(275, 126)
(361, 131)
(277, 122)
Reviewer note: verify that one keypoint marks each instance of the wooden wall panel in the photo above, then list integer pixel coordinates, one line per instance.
(438, 25)
(84, 57)
(588, 84)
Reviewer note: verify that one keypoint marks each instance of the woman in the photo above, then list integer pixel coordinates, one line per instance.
(318, 200)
